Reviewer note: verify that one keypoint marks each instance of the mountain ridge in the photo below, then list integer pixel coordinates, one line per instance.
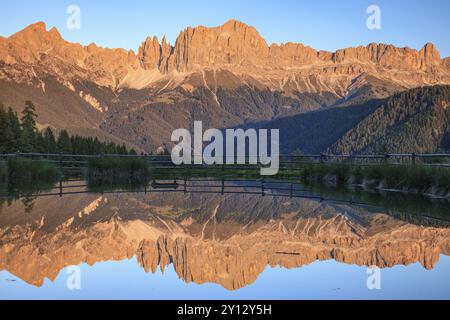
(226, 76)
(232, 45)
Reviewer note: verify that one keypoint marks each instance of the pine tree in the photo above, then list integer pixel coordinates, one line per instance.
(16, 135)
(49, 141)
(6, 135)
(29, 114)
(40, 143)
(122, 149)
(28, 137)
(64, 144)
(16, 130)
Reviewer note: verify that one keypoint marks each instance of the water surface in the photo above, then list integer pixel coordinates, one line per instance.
(207, 241)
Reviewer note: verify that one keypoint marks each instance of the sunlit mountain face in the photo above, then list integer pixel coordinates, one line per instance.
(225, 239)
(226, 76)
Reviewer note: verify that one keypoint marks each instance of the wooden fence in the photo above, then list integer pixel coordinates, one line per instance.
(68, 161)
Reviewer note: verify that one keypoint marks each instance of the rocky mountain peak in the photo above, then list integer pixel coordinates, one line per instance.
(37, 34)
(150, 53)
(233, 43)
(430, 55)
(28, 44)
(38, 27)
(233, 46)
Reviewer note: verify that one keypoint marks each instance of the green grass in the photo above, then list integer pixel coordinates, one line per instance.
(219, 171)
(414, 177)
(23, 172)
(118, 169)
(100, 185)
(411, 177)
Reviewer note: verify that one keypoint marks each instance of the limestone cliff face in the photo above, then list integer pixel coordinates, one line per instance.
(233, 46)
(225, 76)
(46, 52)
(201, 243)
(390, 56)
(154, 55)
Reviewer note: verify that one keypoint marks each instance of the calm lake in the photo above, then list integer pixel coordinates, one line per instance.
(205, 239)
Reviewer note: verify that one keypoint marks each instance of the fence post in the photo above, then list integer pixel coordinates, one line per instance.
(321, 157)
(413, 157)
(386, 158)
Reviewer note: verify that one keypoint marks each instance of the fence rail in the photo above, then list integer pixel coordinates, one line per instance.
(256, 187)
(429, 159)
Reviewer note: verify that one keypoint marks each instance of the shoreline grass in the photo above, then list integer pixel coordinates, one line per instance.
(129, 171)
(115, 169)
(412, 178)
(23, 172)
(418, 178)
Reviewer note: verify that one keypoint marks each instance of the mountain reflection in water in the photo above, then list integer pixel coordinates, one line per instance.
(228, 239)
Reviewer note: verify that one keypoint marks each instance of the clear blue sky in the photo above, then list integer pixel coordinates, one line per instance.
(322, 24)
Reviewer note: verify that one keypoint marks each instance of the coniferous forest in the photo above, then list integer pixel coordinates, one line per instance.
(20, 134)
(416, 120)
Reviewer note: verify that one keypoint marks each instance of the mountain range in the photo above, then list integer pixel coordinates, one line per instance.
(227, 76)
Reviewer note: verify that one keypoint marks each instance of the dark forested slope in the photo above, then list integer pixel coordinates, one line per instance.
(416, 120)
